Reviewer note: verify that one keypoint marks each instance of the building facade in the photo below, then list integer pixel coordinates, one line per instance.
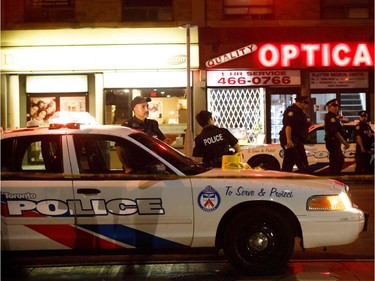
(244, 60)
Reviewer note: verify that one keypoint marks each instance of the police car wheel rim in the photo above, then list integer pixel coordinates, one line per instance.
(258, 242)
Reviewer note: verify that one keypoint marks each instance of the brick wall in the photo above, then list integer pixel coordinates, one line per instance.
(98, 11)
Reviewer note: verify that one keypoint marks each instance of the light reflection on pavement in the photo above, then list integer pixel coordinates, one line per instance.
(216, 271)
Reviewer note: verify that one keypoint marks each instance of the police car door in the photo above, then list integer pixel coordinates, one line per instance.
(35, 193)
(142, 209)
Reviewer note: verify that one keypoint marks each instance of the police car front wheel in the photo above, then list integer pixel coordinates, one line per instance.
(258, 240)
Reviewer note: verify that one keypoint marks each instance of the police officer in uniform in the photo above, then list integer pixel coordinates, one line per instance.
(139, 105)
(294, 134)
(213, 142)
(365, 145)
(335, 136)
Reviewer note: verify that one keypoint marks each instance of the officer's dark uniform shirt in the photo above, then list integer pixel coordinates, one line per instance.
(363, 129)
(296, 118)
(148, 126)
(212, 143)
(332, 125)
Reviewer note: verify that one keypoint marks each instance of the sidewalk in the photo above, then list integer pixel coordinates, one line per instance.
(213, 271)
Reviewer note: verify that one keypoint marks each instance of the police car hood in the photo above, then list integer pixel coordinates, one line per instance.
(218, 172)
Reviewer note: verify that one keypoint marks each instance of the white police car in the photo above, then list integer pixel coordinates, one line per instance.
(270, 156)
(64, 188)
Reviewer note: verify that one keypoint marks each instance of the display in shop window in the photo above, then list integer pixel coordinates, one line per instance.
(41, 109)
(76, 103)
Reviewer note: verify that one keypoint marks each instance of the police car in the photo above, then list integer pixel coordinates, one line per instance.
(270, 156)
(64, 188)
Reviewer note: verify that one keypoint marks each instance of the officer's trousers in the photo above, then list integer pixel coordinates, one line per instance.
(363, 163)
(336, 158)
(295, 156)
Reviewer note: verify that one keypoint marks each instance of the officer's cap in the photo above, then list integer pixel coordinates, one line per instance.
(138, 100)
(333, 102)
(362, 113)
(303, 99)
(203, 116)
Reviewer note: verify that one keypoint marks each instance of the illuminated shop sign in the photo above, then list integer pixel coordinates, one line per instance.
(231, 55)
(235, 78)
(316, 54)
(299, 55)
(339, 79)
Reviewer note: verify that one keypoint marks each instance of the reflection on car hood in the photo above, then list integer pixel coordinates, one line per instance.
(217, 172)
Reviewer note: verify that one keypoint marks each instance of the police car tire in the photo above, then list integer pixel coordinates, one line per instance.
(264, 162)
(259, 240)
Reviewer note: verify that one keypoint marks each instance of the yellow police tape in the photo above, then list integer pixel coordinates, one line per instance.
(233, 162)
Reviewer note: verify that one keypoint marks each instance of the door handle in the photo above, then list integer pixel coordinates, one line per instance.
(88, 191)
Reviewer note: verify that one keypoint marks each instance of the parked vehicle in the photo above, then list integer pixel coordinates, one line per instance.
(64, 188)
(270, 156)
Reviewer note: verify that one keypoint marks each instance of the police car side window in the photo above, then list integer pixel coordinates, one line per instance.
(98, 154)
(89, 154)
(33, 154)
(316, 136)
(6, 155)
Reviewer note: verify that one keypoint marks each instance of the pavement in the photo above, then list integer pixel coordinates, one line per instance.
(216, 271)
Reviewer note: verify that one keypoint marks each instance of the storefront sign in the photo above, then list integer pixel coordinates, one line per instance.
(231, 55)
(316, 55)
(340, 79)
(253, 78)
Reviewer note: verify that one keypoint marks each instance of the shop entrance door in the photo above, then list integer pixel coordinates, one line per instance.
(279, 100)
(350, 103)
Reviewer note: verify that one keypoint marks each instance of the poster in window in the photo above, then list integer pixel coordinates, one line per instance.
(155, 109)
(76, 104)
(41, 109)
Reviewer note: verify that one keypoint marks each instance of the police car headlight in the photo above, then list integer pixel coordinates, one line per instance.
(336, 202)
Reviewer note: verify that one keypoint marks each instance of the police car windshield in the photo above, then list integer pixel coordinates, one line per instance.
(185, 164)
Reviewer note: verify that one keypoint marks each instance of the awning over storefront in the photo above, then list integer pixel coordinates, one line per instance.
(92, 50)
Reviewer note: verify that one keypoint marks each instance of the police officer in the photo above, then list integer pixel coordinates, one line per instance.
(365, 145)
(335, 136)
(139, 105)
(294, 134)
(213, 142)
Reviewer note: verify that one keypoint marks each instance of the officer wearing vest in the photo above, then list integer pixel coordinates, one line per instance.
(213, 142)
(335, 136)
(139, 105)
(365, 145)
(294, 135)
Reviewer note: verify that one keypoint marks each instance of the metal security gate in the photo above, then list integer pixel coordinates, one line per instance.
(241, 110)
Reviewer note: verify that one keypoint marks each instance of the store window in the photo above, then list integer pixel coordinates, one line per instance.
(347, 9)
(240, 110)
(279, 99)
(49, 10)
(147, 10)
(248, 9)
(168, 107)
(349, 87)
(350, 103)
(41, 107)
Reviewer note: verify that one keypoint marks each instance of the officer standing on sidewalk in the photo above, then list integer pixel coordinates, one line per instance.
(365, 145)
(294, 134)
(335, 137)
